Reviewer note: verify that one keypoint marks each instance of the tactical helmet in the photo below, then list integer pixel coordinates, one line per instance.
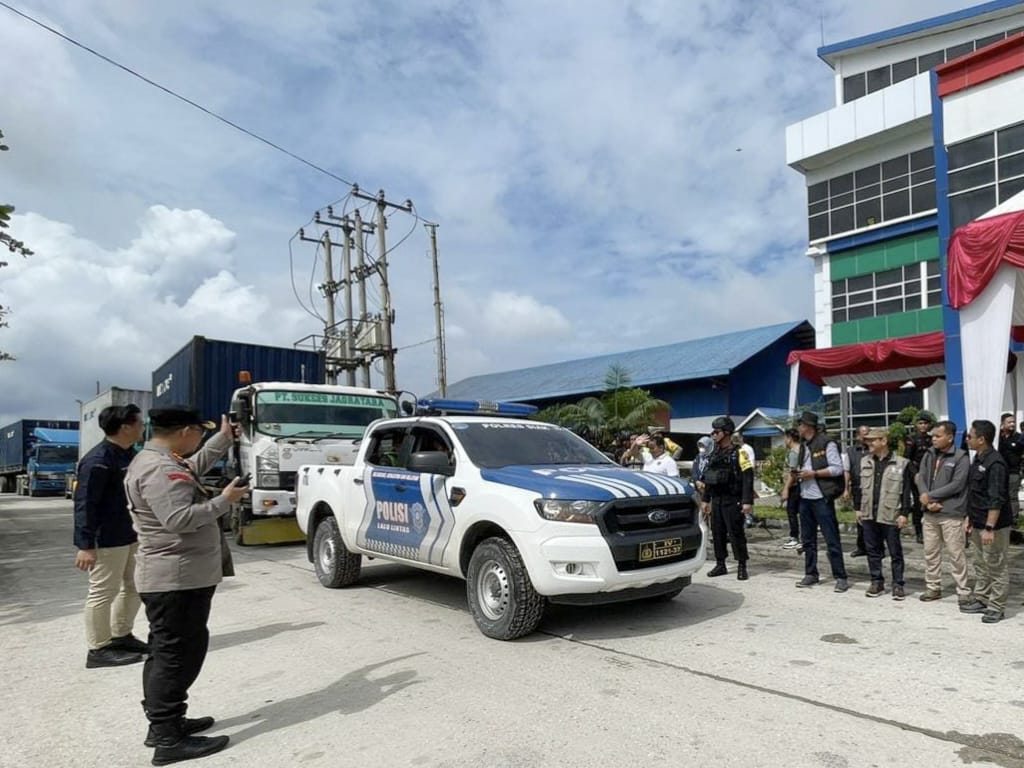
(725, 424)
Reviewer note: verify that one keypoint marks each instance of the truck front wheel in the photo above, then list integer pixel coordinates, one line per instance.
(335, 565)
(501, 597)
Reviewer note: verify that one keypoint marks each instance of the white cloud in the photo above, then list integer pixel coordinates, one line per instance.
(508, 315)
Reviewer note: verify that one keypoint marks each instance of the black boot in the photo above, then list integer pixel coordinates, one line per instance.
(741, 572)
(188, 726)
(718, 570)
(174, 749)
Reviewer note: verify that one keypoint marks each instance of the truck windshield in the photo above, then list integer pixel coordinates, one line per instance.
(501, 444)
(318, 414)
(57, 454)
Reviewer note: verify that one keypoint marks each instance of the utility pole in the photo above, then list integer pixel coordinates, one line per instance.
(442, 376)
(349, 330)
(382, 267)
(329, 290)
(364, 366)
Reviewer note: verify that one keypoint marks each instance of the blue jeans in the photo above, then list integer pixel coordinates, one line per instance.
(815, 513)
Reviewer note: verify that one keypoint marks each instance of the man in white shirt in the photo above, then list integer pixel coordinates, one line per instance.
(657, 459)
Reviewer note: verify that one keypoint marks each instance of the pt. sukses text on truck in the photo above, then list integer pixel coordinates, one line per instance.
(525, 512)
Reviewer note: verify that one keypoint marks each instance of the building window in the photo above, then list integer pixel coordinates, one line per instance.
(863, 83)
(885, 191)
(903, 289)
(871, 409)
(984, 171)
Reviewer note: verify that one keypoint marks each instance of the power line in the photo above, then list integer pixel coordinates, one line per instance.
(176, 95)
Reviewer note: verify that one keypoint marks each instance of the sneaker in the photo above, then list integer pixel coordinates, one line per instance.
(176, 749)
(877, 589)
(129, 643)
(841, 585)
(898, 593)
(808, 581)
(992, 617)
(790, 544)
(930, 594)
(110, 657)
(974, 606)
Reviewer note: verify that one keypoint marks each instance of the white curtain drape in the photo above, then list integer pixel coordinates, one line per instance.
(984, 335)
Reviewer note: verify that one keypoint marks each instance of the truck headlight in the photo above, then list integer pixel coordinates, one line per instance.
(268, 460)
(268, 480)
(568, 511)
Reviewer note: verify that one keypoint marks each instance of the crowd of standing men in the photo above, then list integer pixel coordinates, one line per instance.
(953, 501)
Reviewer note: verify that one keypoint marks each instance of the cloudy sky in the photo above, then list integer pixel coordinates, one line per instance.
(606, 174)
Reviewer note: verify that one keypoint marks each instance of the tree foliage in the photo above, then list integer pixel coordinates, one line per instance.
(603, 420)
(12, 244)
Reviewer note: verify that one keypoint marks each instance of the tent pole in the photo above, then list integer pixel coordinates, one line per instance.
(844, 415)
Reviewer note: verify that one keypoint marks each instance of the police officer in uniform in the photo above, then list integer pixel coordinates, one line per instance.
(728, 497)
(182, 556)
(1011, 448)
(917, 444)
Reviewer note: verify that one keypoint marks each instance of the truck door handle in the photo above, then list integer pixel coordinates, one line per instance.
(357, 480)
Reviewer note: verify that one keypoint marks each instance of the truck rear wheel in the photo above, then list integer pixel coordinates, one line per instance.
(334, 564)
(501, 596)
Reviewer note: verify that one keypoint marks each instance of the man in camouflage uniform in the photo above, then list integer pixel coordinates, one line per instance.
(182, 556)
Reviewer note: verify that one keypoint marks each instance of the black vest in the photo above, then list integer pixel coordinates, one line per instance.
(831, 487)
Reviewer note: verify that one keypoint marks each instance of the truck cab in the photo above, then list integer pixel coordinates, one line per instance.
(283, 425)
(53, 454)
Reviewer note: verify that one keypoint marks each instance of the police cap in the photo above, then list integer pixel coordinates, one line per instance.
(178, 416)
(725, 424)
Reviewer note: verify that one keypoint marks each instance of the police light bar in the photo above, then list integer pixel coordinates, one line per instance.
(475, 407)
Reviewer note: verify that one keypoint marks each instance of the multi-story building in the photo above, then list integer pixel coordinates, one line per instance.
(875, 216)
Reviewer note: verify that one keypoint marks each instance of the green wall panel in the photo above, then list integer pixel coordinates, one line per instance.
(843, 265)
(877, 257)
(887, 326)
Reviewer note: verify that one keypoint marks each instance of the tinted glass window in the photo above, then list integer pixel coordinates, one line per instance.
(970, 205)
(957, 51)
(974, 176)
(860, 283)
(1010, 166)
(923, 158)
(869, 212)
(922, 198)
(854, 87)
(878, 79)
(1010, 188)
(895, 167)
(896, 204)
(869, 175)
(978, 44)
(971, 151)
(842, 219)
(502, 444)
(904, 70)
(840, 184)
(930, 60)
(1011, 139)
(817, 192)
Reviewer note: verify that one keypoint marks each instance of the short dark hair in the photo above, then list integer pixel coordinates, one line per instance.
(792, 434)
(948, 427)
(658, 440)
(984, 428)
(113, 417)
(1006, 416)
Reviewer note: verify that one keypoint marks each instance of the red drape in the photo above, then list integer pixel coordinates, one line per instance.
(978, 249)
(884, 355)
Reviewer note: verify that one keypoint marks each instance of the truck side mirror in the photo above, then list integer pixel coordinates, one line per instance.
(431, 462)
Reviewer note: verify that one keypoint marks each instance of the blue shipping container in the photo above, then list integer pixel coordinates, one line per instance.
(204, 372)
(16, 439)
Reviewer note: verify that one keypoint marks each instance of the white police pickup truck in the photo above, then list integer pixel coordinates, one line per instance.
(525, 512)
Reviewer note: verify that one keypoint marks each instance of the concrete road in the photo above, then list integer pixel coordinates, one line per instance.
(394, 673)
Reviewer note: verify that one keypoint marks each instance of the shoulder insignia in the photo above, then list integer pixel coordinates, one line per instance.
(744, 461)
(179, 476)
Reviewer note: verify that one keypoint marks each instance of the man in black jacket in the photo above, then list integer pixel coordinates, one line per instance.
(728, 497)
(988, 522)
(106, 541)
(917, 445)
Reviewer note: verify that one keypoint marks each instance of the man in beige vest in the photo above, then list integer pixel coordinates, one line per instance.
(182, 557)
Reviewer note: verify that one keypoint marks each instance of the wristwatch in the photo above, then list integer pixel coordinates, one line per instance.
(990, 527)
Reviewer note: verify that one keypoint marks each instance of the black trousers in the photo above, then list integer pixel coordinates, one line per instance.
(178, 640)
(727, 524)
(877, 536)
(793, 513)
(916, 511)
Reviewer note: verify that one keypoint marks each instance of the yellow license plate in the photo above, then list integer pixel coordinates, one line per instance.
(659, 550)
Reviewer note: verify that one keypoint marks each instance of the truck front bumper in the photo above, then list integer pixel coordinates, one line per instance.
(273, 503)
(589, 564)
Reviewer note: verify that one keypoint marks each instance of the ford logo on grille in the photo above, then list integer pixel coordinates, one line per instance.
(658, 515)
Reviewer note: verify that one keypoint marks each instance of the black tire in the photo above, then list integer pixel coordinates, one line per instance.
(501, 596)
(334, 564)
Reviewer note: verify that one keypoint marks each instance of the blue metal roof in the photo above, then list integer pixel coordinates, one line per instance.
(683, 361)
(913, 28)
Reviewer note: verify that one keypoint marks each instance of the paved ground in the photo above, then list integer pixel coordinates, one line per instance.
(393, 672)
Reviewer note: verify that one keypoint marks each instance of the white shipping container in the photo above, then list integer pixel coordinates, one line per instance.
(90, 433)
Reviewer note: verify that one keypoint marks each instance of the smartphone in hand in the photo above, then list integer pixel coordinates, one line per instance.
(244, 480)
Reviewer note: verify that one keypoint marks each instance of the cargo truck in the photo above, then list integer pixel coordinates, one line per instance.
(287, 417)
(36, 455)
(90, 435)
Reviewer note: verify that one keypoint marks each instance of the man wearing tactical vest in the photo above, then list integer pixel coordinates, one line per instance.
(728, 497)
(821, 482)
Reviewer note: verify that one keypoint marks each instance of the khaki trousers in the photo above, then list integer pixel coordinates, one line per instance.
(949, 532)
(113, 603)
(991, 569)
